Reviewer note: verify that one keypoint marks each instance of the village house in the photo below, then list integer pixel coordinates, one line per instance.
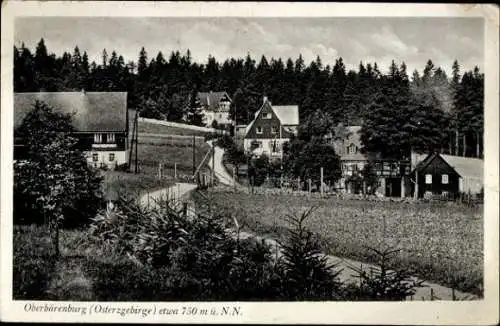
(446, 175)
(215, 107)
(271, 127)
(100, 120)
(393, 180)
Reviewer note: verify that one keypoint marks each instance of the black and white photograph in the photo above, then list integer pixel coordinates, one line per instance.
(241, 159)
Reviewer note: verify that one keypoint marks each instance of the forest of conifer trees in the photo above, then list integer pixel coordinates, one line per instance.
(428, 111)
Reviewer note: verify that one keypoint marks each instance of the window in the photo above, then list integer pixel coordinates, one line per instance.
(266, 115)
(259, 130)
(444, 179)
(97, 138)
(95, 157)
(352, 149)
(428, 179)
(111, 157)
(274, 129)
(110, 138)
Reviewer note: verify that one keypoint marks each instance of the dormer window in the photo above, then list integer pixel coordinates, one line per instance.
(98, 138)
(110, 138)
(266, 115)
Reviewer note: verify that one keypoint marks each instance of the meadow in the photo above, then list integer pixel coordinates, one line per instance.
(440, 242)
(167, 148)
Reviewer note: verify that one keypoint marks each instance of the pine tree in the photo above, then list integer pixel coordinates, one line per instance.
(104, 58)
(455, 85)
(335, 103)
(142, 64)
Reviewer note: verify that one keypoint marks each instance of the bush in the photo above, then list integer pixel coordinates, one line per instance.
(54, 182)
(383, 284)
(197, 259)
(167, 255)
(307, 274)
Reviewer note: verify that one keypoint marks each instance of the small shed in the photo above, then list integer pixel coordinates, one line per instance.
(434, 175)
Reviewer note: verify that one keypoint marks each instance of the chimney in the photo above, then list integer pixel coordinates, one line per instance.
(265, 99)
(83, 91)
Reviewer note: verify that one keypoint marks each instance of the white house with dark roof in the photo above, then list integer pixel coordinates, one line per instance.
(100, 120)
(272, 126)
(215, 107)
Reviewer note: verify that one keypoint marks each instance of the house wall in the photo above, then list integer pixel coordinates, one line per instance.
(436, 169)
(103, 157)
(87, 145)
(266, 145)
(220, 117)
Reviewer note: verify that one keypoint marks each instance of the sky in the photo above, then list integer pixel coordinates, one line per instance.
(381, 39)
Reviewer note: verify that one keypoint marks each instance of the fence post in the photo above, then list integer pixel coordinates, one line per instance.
(298, 184)
(175, 171)
(234, 180)
(310, 184)
(159, 171)
(321, 180)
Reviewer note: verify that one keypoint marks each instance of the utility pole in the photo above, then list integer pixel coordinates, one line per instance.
(132, 141)
(213, 164)
(194, 156)
(136, 143)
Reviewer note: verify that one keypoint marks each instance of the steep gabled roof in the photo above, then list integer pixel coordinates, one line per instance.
(466, 167)
(211, 100)
(91, 111)
(431, 157)
(287, 114)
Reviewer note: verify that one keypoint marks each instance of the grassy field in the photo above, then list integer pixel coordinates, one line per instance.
(170, 152)
(439, 242)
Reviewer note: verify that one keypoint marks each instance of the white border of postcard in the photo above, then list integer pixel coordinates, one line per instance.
(435, 313)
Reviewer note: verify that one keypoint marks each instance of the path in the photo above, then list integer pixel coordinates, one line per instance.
(177, 192)
(439, 292)
(220, 171)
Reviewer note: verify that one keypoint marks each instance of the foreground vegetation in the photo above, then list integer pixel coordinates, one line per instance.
(167, 256)
(439, 242)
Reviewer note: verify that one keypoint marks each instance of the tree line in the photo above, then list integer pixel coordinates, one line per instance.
(428, 111)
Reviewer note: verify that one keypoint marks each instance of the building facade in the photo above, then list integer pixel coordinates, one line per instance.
(271, 128)
(215, 107)
(447, 175)
(392, 174)
(434, 176)
(100, 120)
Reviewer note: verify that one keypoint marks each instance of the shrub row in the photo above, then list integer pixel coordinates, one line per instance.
(171, 256)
